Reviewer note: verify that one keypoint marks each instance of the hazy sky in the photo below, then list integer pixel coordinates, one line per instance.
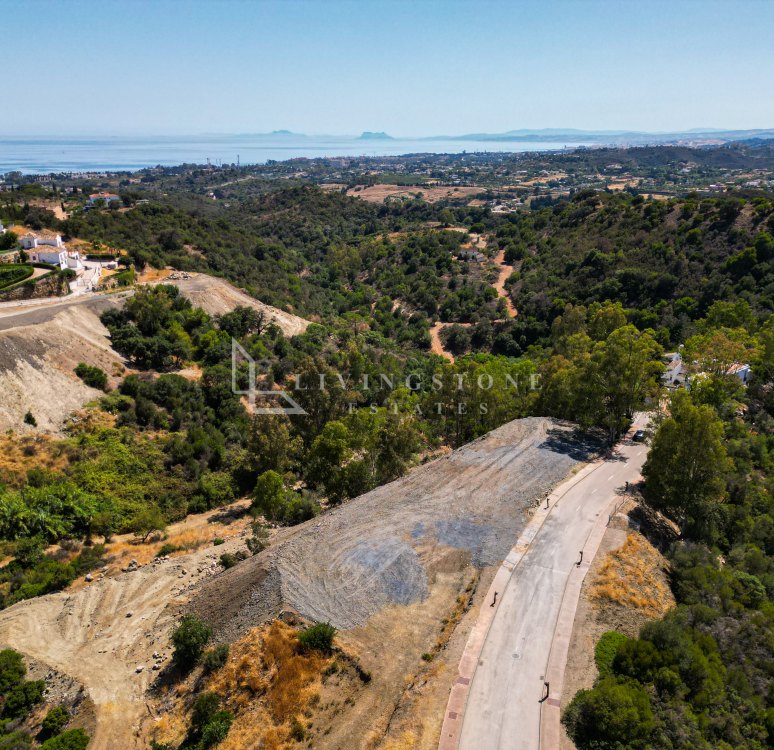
(413, 67)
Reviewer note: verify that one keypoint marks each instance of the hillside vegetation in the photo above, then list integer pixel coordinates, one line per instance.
(604, 284)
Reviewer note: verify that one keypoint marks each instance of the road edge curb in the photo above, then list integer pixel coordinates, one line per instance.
(458, 696)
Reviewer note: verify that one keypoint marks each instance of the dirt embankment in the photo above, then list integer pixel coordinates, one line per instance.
(217, 297)
(103, 634)
(38, 352)
(377, 549)
(396, 570)
(391, 568)
(627, 586)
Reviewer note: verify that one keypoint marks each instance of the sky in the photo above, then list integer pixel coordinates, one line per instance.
(406, 67)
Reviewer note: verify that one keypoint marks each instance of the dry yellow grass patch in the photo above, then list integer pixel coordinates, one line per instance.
(19, 453)
(267, 682)
(633, 576)
(188, 535)
(407, 741)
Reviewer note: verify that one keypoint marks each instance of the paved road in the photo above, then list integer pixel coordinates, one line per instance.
(34, 312)
(502, 711)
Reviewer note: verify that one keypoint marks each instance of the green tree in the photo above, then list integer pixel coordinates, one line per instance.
(327, 457)
(686, 467)
(611, 716)
(12, 669)
(148, 520)
(622, 371)
(269, 495)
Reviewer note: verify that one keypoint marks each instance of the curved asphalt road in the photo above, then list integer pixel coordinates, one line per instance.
(503, 710)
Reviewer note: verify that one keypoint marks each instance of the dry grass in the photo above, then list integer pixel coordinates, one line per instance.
(380, 193)
(407, 741)
(266, 683)
(267, 664)
(20, 453)
(188, 535)
(633, 577)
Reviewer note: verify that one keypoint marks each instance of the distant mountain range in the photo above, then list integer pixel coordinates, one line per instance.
(564, 135)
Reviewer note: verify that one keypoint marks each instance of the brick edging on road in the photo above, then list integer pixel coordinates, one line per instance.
(455, 707)
(551, 707)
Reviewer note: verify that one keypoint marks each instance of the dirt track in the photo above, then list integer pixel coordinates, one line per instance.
(504, 272)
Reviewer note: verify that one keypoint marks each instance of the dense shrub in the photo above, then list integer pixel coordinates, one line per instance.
(606, 649)
(189, 639)
(72, 739)
(92, 376)
(318, 637)
(55, 721)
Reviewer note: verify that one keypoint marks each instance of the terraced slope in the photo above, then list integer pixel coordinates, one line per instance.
(381, 548)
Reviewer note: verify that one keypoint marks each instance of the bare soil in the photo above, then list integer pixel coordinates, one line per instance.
(37, 359)
(396, 570)
(100, 633)
(380, 193)
(216, 297)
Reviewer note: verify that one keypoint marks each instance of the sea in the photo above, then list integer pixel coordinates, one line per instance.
(44, 155)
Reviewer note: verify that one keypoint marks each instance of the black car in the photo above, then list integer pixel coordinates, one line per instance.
(639, 436)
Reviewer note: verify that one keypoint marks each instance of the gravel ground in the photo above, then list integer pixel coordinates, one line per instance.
(376, 550)
(37, 357)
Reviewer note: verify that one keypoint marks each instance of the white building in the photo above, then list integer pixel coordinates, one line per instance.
(742, 371)
(30, 241)
(675, 372)
(51, 257)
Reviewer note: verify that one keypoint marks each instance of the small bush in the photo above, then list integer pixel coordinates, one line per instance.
(72, 739)
(189, 638)
(29, 418)
(217, 542)
(297, 730)
(606, 649)
(319, 637)
(205, 707)
(260, 538)
(167, 549)
(92, 376)
(427, 657)
(215, 658)
(227, 560)
(216, 729)
(55, 721)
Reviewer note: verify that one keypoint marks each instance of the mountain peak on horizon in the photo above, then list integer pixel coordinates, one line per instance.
(367, 135)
